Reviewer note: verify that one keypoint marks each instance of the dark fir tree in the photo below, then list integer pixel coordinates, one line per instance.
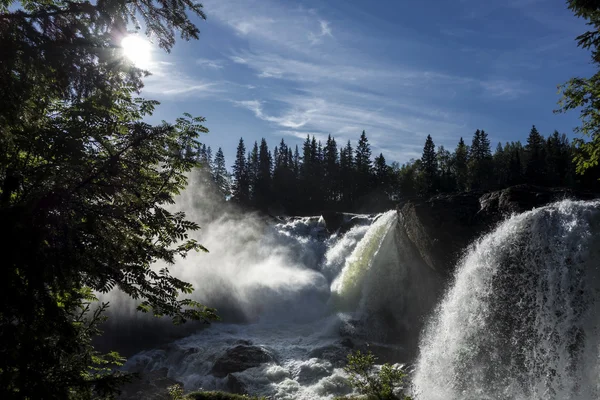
(331, 171)
(515, 153)
(220, 174)
(253, 173)
(480, 161)
(362, 165)
(241, 184)
(347, 168)
(429, 166)
(263, 175)
(559, 160)
(501, 166)
(535, 163)
(382, 174)
(446, 178)
(460, 165)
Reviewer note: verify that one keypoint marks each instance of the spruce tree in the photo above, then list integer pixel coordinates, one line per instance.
(480, 161)
(263, 176)
(253, 173)
(382, 173)
(347, 174)
(331, 169)
(429, 166)
(241, 184)
(363, 165)
(446, 178)
(460, 165)
(220, 174)
(535, 164)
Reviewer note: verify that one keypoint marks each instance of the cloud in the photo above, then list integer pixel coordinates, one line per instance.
(293, 119)
(168, 81)
(212, 64)
(325, 31)
(504, 88)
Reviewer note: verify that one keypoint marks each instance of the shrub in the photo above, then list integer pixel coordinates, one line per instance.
(371, 381)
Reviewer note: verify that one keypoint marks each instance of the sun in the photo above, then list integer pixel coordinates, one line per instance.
(137, 50)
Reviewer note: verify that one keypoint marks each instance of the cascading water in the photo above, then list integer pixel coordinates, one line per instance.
(274, 283)
(522, 319)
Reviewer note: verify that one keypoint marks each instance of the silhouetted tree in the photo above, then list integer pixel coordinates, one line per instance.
(241, 184)
(429, 166)
(460, 165)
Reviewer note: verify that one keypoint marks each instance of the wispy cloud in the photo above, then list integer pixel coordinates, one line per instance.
(212, 64)
(321, 83)
(325, 31)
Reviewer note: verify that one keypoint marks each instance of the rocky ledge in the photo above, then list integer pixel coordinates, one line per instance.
(443, 226)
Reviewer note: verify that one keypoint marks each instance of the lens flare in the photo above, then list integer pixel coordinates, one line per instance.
(137, 50)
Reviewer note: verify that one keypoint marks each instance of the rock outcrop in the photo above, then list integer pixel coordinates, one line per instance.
(442, 227)
(240, 358)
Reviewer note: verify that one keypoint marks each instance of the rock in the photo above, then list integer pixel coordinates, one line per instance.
(442, 227)
(151, 385)
(235, 385)
(333, 220)
(240, 358)
(336, 354)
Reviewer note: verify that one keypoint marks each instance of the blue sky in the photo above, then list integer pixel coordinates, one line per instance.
(398, 69)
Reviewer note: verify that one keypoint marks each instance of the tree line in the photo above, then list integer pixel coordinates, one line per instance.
(318, 177)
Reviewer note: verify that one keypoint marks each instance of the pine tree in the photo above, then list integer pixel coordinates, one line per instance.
(501, 166)
(220, 174)
(363, 165)
(297, 163)
(253, 173)
(446, 178)
(241, 184)
(347, 172)
(382, 173)
(429, 166)
(263, 176)
(535, 164)
(331, 169)
(559, 158)
(460, 165)
(515, 151)
(480, 161)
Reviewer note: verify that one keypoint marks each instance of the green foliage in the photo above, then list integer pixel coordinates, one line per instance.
(584, 93)
(176, 392)
(220, 396)
(85, 187)
(368, 380)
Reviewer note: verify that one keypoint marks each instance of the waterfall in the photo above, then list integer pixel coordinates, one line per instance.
(287, 278)
(522, 317)
(347, 286)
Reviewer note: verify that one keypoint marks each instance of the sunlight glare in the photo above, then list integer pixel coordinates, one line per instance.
(137, 50)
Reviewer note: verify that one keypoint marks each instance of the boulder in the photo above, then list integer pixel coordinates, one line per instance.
(151, 385)
(240, 358)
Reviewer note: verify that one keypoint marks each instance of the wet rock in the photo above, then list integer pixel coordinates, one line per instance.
(240, 358)
(336, 354)
(151, 385)
(443, 226)
(235, 385)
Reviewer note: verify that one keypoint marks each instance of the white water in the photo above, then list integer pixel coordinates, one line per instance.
(522, 319)
(279, 286)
